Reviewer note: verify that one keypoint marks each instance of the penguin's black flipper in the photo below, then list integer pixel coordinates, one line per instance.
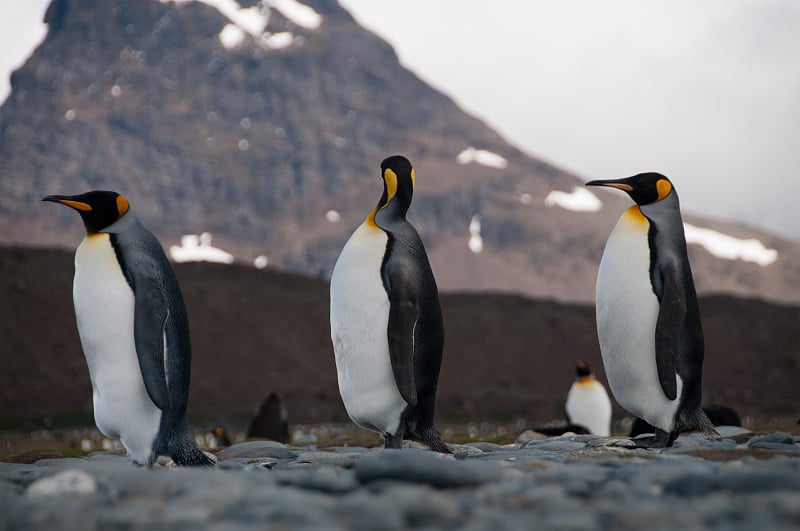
(149, 326)
(403, 315)
(671, 315)
(150, 314)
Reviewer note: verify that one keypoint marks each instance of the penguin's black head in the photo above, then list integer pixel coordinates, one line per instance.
(398, 184)
(582, 369)
(98, 208)
(644, 188)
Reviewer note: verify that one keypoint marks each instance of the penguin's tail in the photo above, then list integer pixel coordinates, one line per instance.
(431, 437)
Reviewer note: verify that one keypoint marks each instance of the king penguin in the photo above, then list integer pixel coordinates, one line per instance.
(648, 320)
(588, 403)
(386, 322)
(134, 331)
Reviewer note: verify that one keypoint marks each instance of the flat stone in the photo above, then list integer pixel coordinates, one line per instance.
(777, 437)
(250, 463)
(326, 479)
(562, 446)
(482, 446)
(601, 442)
(731, 431)
(426, 468)
(254, 449)
(767, 445)
(466, 450)
(16, 472)
(65, 482)
(320, 457)
(739, 482)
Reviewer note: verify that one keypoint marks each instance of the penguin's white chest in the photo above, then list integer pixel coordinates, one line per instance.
(588, 405)
(359, 327)
(104, 310)
(627, 311)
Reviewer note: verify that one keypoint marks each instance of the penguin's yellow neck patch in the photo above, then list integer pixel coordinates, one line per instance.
(585, 380)
(413, 178)
(634, 213)
(663, 187)
(77, 205)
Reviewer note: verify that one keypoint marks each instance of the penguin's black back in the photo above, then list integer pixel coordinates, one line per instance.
(683, 328)
(149, 273)
(404, 249)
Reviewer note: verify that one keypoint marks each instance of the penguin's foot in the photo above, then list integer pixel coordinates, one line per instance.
(431, 437)
(661, 439)
(393, 441)
(194, 457)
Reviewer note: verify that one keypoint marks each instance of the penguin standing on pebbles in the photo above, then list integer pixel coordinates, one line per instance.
(588, 403)
(648, 320)
(386, 322)
(134, 331)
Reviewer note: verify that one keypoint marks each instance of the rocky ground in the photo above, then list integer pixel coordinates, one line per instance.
(741, 481)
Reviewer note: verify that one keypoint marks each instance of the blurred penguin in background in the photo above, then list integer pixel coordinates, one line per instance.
(588, 403)
(219, 437)
(271, 422)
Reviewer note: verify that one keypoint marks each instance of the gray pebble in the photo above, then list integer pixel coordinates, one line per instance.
(568, 482)
(556, 445)
(16, 472)
(777, 437)
(731, 431)
(737, 482)
(426, 468)
(65, 482)
(257, 449)
(530, 435)
(326, 479)
(324, 457)
(767, 445)
(461, 451)
(482, 446)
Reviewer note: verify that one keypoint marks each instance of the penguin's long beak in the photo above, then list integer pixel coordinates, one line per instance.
(612, 183)
(66, 200)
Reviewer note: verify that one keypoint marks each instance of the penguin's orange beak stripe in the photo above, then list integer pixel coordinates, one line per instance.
(621, 186)
(77, 205)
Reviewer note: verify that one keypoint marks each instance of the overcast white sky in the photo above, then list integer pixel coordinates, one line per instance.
(707, 92)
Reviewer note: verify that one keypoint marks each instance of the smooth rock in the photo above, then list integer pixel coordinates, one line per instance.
(530, 435)
(737, 482)
(254, 449)
(325, 479)
(767, 445)
(64, 482)
(461, 451)
(777, 437)
(16, 472)
(483, 446)
(426, 468)
(561, 446)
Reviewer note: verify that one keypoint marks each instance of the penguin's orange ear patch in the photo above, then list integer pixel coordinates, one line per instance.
(122, 205)
(390, 178)
(77, 205)
(664, 188)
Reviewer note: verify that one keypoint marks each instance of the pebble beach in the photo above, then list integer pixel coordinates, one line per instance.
(582, 482)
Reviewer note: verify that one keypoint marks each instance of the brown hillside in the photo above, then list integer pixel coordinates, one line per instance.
(255, 331)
